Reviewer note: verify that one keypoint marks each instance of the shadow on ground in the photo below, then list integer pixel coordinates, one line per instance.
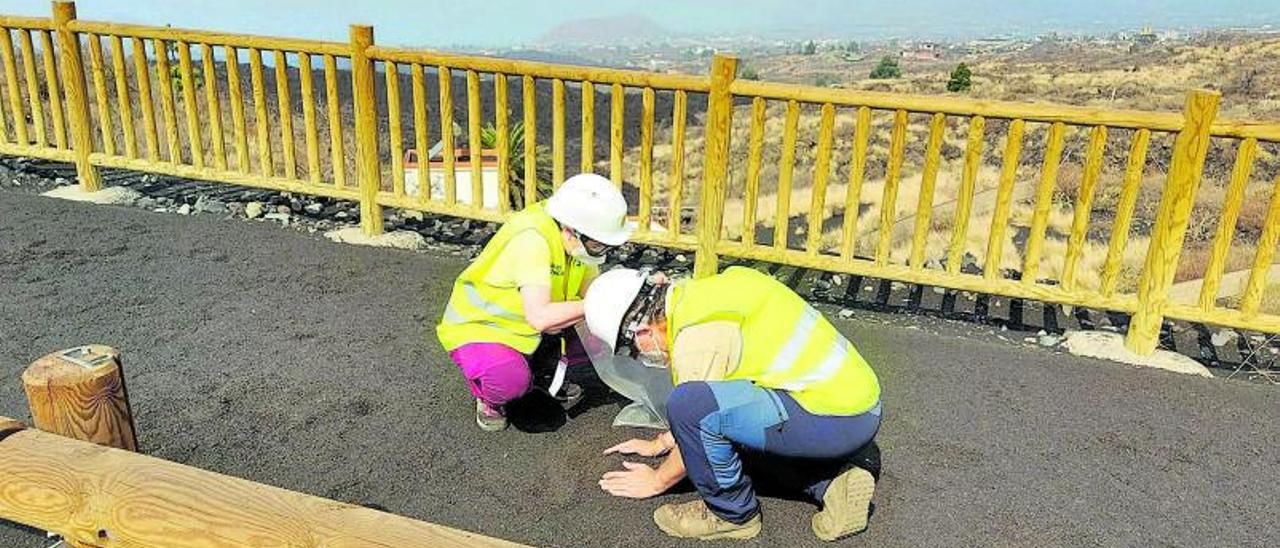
(281, 358)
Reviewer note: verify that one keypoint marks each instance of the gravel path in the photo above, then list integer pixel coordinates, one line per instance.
(279, 357)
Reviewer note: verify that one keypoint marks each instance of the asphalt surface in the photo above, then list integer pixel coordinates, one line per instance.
(279, 357)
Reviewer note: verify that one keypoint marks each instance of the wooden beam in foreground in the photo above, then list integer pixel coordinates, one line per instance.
(100, 496)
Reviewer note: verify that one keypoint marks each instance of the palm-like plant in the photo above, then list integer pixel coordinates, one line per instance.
(515, 167)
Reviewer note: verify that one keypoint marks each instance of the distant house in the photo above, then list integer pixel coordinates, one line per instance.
(994, 44)
(924, 51)
(1146, 38)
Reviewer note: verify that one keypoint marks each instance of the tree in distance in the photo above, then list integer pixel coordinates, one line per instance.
(960, 79)
(886, 69)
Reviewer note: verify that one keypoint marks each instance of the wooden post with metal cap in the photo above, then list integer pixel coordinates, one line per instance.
(80, 393)
(716, 166)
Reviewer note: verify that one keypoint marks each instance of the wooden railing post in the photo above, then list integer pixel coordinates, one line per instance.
(366, 130)
(715, 168)
(1189, 151)
(77, 99)
(80, 393)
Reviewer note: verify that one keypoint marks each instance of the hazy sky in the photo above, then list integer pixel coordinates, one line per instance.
(508, 22)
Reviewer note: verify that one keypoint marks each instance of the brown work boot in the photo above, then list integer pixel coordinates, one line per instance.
(694, 520)
(845, 505)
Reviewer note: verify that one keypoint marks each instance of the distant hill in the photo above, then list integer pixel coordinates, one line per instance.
(603, 30)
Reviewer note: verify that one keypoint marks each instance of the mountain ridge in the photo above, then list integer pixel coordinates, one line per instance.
(629, 28)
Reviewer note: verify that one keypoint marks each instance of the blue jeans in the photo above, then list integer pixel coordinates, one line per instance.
(723, 427)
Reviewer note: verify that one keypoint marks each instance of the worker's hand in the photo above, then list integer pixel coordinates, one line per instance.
(638, 481)
(643, 448)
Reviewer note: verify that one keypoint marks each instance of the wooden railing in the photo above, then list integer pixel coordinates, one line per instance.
(1147, 306)
(216, 121)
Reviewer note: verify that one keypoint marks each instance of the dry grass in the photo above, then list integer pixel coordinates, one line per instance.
(1246, 69)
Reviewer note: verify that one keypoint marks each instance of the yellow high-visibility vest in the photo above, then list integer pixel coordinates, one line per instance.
(786, 343)
(482, 312)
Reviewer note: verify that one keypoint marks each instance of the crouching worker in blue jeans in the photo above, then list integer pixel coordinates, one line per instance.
(762, 381)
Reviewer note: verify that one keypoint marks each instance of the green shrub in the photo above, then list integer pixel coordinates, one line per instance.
(960, 79)
(886, 69)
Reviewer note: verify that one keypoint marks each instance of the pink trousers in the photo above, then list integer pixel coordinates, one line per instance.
(497, 373)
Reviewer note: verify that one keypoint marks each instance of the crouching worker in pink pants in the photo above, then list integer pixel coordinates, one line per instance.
(510, 306)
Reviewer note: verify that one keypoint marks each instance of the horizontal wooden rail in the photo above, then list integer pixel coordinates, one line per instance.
(1008, 110)
(1245, 130)
(543, 70)
(440, 207)
(216, 175)
(685, 242)
(1266, 323)
(33, 23)
(1031, 112)
(211, 37)
(47, 153)
(101, 496)
(938, 278)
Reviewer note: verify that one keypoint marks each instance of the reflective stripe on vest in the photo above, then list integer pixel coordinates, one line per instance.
(826, 369)
(787, 344)
(481, 312)
(474, 298)
(796, 342)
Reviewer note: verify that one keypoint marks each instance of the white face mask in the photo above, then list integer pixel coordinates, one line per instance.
(580, 253)
(656, 357)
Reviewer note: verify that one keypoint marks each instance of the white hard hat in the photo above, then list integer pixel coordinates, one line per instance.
(608, 299)
(593, 206)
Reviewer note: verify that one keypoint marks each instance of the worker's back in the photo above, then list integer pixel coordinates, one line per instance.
(786, 344)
